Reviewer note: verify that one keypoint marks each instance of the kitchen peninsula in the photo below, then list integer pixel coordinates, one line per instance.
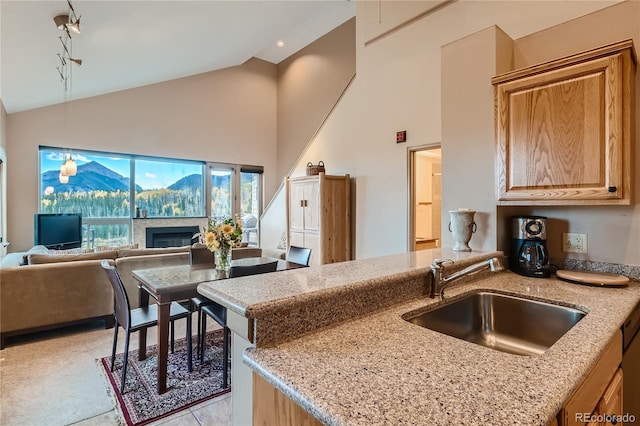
(332, 339)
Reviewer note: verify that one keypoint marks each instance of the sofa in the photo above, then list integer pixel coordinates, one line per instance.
(40, 290)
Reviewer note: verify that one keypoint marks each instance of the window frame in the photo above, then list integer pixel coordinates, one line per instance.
(207, 166)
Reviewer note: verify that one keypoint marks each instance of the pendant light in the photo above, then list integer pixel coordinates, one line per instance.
(70, 166)
(69, 24)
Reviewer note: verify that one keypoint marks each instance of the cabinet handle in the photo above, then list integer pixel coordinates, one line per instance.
(612, 189)
(305, 203)
(301, 203)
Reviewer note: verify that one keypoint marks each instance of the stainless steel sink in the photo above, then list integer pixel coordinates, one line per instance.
(505, 323)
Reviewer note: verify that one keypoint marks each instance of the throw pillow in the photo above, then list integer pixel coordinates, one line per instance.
(35, 259)
(146, 251)
(123, 247)
(34, 250)
(69, 251)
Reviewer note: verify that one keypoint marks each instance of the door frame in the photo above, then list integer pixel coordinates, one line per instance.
(411, 189)
(3, 203)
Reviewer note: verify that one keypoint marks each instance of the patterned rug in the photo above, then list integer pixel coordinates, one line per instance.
(140, 404)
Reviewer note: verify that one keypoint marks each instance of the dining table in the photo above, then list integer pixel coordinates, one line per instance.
(173, 283)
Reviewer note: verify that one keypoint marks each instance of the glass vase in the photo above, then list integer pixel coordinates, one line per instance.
(223, 259)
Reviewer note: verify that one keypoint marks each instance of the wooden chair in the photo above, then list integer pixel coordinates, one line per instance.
(299, 255)
(132, 320)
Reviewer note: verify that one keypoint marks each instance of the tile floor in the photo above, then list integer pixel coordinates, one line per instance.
(52, 378)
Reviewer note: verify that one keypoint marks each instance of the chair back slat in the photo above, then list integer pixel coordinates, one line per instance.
(122, 308)
(299, 255)
(243, 271)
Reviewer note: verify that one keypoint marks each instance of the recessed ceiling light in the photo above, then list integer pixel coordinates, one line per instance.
(280, 43)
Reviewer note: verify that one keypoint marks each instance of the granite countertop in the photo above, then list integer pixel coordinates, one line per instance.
(376, 368)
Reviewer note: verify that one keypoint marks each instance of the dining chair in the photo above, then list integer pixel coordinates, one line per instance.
(219, 314)
(243, 271)
(299, 255)
(132, 320)
(200, 255)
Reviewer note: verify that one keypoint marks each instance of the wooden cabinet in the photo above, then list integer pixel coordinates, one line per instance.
(273, 408)
(600, 393)
(565, 129)
(319, 216)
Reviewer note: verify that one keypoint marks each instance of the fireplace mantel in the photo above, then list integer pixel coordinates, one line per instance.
(140, 226)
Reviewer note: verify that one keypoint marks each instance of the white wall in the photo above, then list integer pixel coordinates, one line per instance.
(398, 87)
(203, 117)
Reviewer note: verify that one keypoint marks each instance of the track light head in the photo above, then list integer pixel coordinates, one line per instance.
(61, 21)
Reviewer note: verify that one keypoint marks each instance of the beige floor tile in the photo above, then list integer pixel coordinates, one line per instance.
(183, 418)
(107, 419)
(53, 379)
(217, 413)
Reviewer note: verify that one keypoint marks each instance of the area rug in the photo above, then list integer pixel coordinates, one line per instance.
(140, 403)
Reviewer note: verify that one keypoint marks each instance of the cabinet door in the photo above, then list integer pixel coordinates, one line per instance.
(296, 239)
(312, 241)
(296, 205)
(563, 135)
(610, 405)
(312, 206)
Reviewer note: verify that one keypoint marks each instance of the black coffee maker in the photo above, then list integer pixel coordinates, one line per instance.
(529, 255)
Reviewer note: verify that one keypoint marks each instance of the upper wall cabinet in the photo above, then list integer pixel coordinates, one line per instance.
(565, 129)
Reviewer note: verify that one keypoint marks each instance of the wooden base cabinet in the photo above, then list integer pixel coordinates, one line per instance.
(319, 216)
(565, 129)
(598, 399)
(273, 408)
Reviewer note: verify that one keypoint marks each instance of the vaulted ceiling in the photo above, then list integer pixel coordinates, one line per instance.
(126, 44)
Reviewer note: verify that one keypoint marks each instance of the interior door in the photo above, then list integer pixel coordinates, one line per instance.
(425, 197)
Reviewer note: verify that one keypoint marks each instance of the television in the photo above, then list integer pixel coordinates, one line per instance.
(58, 230)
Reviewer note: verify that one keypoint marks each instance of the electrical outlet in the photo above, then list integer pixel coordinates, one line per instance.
(574, 243)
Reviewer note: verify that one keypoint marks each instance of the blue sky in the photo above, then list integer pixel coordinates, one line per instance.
(149, 174)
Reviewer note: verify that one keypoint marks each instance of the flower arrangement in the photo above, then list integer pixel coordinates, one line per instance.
(220, 237)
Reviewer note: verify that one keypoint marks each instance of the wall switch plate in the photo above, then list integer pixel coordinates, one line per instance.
(574, 243)
(401, 136)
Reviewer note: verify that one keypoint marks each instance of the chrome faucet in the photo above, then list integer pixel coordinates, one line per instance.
(440, 282)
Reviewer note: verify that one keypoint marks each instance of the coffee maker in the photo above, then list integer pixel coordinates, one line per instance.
(529, 255)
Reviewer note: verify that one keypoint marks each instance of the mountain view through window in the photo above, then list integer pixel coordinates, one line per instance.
(109, 189)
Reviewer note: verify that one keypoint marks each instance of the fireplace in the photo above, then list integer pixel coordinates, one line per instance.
(171, 236)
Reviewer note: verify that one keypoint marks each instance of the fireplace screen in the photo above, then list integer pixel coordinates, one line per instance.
(171, 236)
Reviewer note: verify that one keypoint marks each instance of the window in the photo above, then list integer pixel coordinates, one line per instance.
(99, 190)
(104, 191)
(237, 189)
(221, 191)
(250, 203)
(169, 188)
